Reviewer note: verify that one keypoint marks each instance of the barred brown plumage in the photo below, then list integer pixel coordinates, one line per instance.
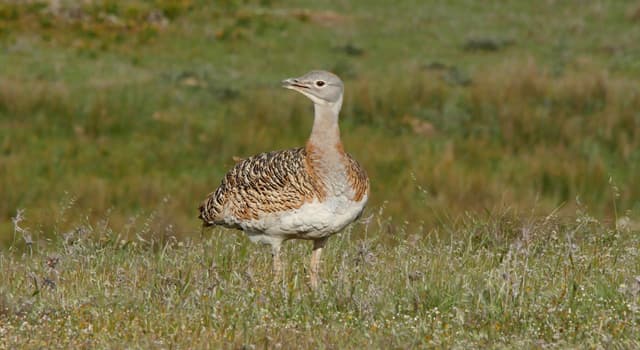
(265, 183)
(305, 193)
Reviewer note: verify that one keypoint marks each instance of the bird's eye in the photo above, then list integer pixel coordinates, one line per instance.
(320, 83)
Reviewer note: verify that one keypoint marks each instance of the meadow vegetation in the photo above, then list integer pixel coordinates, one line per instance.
(502, 139)
(499, 280)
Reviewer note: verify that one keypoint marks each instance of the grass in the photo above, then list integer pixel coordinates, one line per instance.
(505, 280)
(117, 118)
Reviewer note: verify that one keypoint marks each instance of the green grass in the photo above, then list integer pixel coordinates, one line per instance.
(117, 118)
(496, 280)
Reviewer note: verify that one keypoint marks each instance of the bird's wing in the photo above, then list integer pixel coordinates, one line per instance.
(358, 179)
(266, 183)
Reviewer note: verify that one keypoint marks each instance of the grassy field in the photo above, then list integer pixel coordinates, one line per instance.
(499, 281)
(502, 139)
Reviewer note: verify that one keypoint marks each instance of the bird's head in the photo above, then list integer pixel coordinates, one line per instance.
(322, 87)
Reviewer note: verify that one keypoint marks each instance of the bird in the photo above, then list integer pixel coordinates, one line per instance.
(308, 193)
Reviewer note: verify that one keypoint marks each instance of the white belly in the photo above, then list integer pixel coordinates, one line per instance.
(310, 221)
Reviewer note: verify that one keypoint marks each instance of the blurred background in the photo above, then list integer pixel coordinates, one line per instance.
(128, 113)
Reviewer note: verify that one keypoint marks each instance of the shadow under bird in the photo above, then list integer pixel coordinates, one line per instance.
(307, 193)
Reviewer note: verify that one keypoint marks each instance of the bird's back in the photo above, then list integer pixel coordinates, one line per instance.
(265, 183)
(284, 192)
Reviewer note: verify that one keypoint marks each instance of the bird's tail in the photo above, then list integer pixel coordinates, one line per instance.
(207, 211)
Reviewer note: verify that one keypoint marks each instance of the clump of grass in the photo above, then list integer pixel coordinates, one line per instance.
(32, 97)
(485, 281)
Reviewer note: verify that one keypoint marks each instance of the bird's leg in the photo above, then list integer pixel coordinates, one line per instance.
(318, 244)
(277, 262)
(204, 226)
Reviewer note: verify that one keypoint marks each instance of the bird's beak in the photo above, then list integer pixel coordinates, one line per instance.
(294, 84)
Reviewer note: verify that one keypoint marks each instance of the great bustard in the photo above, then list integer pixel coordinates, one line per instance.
(302, 193)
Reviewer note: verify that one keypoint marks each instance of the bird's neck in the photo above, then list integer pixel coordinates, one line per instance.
(324, 144)
(325, 153)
